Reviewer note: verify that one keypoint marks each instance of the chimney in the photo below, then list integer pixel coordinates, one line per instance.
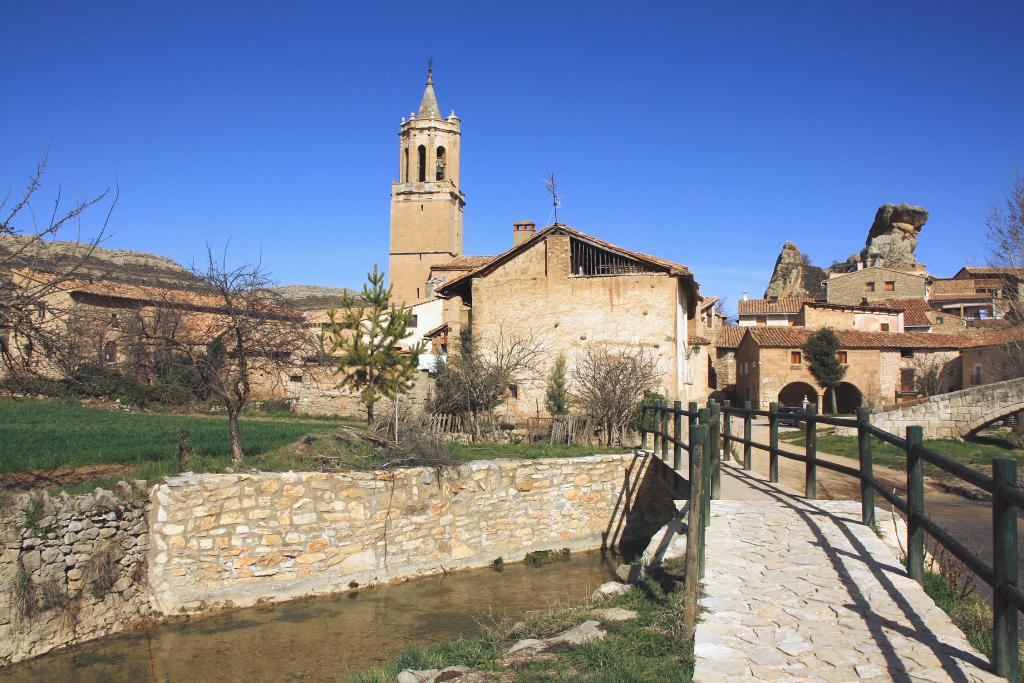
(746, 296)
(522, 231)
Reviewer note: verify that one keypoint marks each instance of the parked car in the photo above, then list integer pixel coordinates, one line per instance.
(790, 416)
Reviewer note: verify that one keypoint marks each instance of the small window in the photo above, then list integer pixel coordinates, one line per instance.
(513, 390)
(869, 286)
(295, 378)
(884, 327)
(890, 285)
(976, 374)
(415, 318)
(110, 352)
(841, 357)
(939, 319)
(795, 358)
(906, 353)
(761, 320)
(907, 381)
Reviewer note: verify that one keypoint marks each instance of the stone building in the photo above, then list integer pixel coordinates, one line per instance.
(875, 283)
(571, 290)
(771, 311)
(883, 368)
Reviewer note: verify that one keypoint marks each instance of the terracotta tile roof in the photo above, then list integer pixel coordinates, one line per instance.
(699, 341)
(670, 266)
(971, 296)
(442, 328)
(915, 311)
(729, 337)
(784, 305)
(795, 337)
(992, 270)
(464, 263)
(708, 301)
(951, 286)
(995, 337)
(126, 291)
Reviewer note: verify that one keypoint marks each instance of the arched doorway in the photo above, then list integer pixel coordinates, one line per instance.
(848, 398)
(795, 393)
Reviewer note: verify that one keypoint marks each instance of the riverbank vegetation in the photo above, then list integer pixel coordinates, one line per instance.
(648, 648)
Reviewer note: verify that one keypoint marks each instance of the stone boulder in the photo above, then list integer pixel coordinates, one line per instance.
(892, 238)
(611, 589)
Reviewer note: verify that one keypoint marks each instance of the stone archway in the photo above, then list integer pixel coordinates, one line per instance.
(848, 398)
(987, 419)
(794, 394)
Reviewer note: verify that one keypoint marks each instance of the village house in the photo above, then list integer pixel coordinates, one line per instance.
(571, 290)
(775, 312)
(883, 368)
(868, 285)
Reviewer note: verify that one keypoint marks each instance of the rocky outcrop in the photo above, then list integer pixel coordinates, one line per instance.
(794, 276)
(893, 237)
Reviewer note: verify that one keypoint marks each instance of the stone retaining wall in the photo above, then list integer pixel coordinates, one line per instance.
(73, 569)
(240, 539)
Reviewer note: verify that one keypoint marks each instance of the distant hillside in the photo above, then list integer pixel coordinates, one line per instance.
(114, 264)
(307, 297)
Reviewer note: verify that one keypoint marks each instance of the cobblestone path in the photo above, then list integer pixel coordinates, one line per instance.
(801, 590)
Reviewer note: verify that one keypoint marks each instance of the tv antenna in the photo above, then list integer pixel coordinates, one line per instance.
(552, 187)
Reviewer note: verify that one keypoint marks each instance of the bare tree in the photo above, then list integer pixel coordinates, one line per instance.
(609, 386)
(1005, 231)
(252, 337)
(30, 314)
(932, 374)
(477, 375)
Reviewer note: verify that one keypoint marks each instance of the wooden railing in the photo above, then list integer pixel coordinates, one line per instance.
(710, 429)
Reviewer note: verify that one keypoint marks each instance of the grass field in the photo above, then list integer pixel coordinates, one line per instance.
(105, 446)
(977, 454)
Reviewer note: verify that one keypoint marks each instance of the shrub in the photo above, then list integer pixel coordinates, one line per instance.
(24, 593)
(102, 569)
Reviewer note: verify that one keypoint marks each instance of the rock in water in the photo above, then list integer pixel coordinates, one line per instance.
(610, 589)
(794, 276)
(892, 238)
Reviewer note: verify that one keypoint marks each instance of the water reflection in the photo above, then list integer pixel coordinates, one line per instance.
(321, 639)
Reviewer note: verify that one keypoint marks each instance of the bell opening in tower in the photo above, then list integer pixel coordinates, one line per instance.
(440, 163)
(422, 164)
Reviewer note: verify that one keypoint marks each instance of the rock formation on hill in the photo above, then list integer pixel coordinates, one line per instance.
(794, 276)
(308, 297)
(893, 237)
(19, 251)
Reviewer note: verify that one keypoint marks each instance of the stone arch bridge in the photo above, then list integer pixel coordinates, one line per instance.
(957, 413)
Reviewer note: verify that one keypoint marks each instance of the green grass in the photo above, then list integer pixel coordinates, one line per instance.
(967, 609)
(977, 454)
(529, 451)
(48, 434)
(648, 649)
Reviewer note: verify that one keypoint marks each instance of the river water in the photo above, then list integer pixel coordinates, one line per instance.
(324, 638)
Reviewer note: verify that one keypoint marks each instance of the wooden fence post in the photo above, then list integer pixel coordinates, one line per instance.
(915, 506)
(700, 485)
(811, 452)
(704, 438)
(677, 431)
(694, 536)
(727, 429)
(691, 433)
(1005, 634)
(655, 423)
(643, 427)
(748, 435)
(664, 431)
(773, 442)
(715, 440)
(867, 492)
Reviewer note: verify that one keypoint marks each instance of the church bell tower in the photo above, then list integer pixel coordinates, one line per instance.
(426, 202)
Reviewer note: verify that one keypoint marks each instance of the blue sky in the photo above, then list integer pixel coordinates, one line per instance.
(705, 134)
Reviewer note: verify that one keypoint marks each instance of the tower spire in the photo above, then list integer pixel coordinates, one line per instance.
(429, 108)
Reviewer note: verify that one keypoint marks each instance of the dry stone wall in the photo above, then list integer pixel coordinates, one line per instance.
(246, 538)
(73, 569)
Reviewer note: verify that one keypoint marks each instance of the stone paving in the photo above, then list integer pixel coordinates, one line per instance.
(801, 590)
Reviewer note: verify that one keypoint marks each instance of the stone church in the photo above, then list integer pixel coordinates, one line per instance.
(559, 284)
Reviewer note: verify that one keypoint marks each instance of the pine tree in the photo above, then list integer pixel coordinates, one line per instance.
(822, 350)
(557, 399)
(364, 336)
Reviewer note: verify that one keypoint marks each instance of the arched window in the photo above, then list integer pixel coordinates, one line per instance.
(423, 164)
(440, 163)
(405, 169)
